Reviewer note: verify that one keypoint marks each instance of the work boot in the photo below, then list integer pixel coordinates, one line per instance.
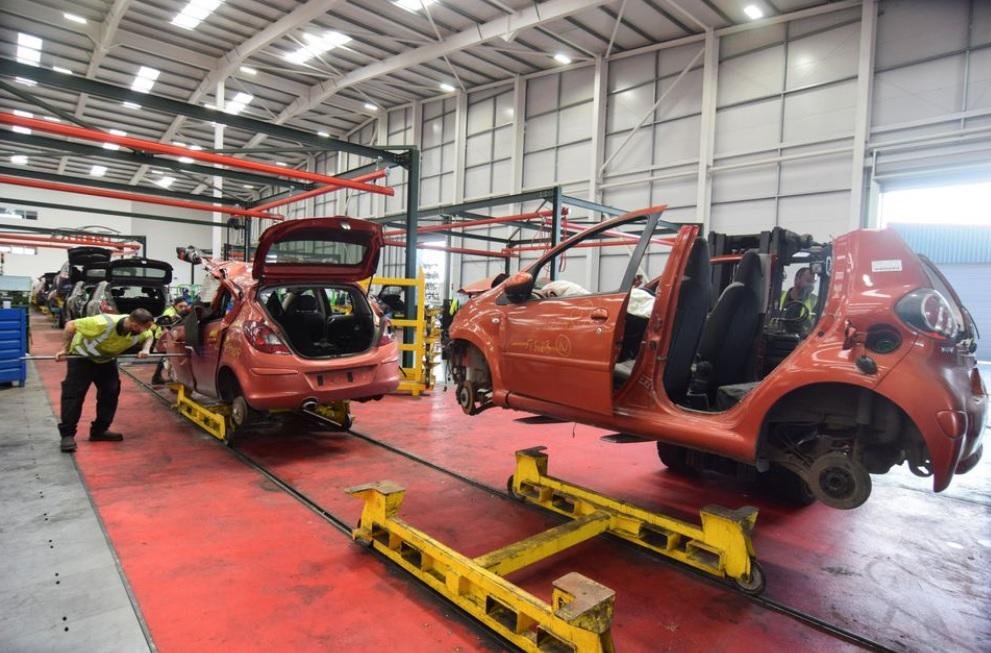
(68, 444)
(106, 436)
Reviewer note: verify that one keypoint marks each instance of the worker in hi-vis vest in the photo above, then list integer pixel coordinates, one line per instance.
(97, 341)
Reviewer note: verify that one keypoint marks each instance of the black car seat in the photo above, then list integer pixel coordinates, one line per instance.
(725, 354)
(693, 304)
(304, 323)
(274, 307)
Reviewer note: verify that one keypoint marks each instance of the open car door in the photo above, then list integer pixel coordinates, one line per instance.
(139, 271)
(562, 349)
(318, 250)
(85, 257)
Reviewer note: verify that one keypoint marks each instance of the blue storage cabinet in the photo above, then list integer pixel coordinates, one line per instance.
(13, 345)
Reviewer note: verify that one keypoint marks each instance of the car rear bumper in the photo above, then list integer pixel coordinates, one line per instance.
(268, 388)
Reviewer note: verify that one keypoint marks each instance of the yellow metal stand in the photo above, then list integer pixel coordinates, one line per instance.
(580, 615)
(417, 379)
(211, 419)
(721, 547)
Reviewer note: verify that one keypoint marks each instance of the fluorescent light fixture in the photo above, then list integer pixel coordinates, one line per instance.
(196, 147)
(17, 129)
(371, 107)
(281, 163)
(131, 105)
(194, 12)
(210, 105)
(28, 49)
(753, 12)
(98, 171)
(185, 159)
(248, 70)
(447, 88)
(19, 159)
(562, 58)
(114, 146)
(237, 105)
(52, 119)
(145, 79)
(249, 186)
(414, 5)
(74, 18)
(178, 143)
(25, 81)
(316, 45)
(323, 134)
(164, 182)
(60, 69)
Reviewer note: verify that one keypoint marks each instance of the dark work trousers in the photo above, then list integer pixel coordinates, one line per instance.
(80, 374)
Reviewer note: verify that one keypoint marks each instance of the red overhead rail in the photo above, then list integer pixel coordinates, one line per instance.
(378, 174)
(137, 197)
(174, 150)
(71, 241)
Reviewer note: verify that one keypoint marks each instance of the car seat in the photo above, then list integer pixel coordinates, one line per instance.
(689, 319)
(304, 323)
(725, 354)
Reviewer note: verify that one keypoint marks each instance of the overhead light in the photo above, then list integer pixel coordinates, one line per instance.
(114, 146)
(753, 12)
(249, 186)
(237, 105)
(17, 128)
(132, 105)
(248, 70)
(19, 159)
(185, 159)
(447, 88)
(98, 171)
(25, 81)
(178, 143)
(562, 58)
(371, 107)
(52, 119)
(210, 105)
(60, 69)
(317, 45)
(281, 163)
(194, 12)
(323, 134)
(196, 147)
(145, 79)
(74, 18)
(414, 5)
(28, 49)
(164, 182)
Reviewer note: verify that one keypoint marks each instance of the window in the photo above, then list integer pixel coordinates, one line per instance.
(18, 214)
(14, 249)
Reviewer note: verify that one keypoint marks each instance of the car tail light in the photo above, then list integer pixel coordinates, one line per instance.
(263, 338)
(927, 310)
(386, 336)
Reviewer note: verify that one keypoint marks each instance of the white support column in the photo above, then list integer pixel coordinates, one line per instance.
(600, 87)
(217, 233)
(862, 112)
(460, 145)
(707, 137)
(519, 120)
(381, 138)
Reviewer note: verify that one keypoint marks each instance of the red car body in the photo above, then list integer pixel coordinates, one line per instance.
(250, 346)
(867, 388)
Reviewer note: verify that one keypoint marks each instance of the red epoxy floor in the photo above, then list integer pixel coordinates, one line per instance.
(217, 556)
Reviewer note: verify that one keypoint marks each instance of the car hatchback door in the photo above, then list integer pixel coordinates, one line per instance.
(318, 250)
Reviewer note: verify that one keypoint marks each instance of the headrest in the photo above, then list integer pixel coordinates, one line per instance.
(749, 271)
(303, 303)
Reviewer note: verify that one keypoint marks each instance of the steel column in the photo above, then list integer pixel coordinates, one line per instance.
(710, 78)
(412, 215)
(862, 112)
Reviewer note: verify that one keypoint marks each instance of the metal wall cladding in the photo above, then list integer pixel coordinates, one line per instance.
(948, 243)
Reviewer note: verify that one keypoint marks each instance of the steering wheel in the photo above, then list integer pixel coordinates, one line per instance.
(794, 313)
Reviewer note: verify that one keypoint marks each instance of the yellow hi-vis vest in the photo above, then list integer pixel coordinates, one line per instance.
(97, 338)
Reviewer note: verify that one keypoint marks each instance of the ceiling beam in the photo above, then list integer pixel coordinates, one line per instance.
(526, 18)
(101, 46)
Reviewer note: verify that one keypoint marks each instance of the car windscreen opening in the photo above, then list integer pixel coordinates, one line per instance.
(310, 249)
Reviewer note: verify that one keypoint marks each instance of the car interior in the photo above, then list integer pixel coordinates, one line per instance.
(321, 321)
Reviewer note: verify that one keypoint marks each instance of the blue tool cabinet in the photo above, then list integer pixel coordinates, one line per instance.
(13, 345)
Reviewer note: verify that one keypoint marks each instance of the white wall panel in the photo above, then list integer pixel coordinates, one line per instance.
(628, 197)
(503, 143)
(636, 154)
(480, 115)
(478, 149)
(745, 183)
(575, 123)
(824, 57)
(538, 169)
(909, 30)
(979, 86)
(572, 161)
(684, 99)
(824, 216)
(748, 126)
(920, 91)
(541, 95)
(626, 108)
(541, 132)
(822, 113)
(751, 39)
(673, 192)
(818, 174)
(677, 140)
(631, 71)
(576, 86)
(742, 217)
(751, 76)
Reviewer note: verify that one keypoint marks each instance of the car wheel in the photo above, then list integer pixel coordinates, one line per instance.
(788, 486)
(466, 398)
(675, 458)
(839, 482)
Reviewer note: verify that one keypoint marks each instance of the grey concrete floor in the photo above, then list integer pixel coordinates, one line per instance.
(61, 588)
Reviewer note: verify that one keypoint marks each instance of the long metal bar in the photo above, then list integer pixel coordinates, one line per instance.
(71, 240)
(79, 84)
(412, 224)
(174, 150)
(54, 244)
(95, 152)
(31, 98)
(92, 182)
(471, 224)
(134, 197)
(445, 248)
(88, 210)
(595, 207)
(556, 208)
(378, 174)
(488, 202)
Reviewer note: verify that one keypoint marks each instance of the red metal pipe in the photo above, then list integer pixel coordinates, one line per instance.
(378, 174)
(453, 250)
(69, 240)
(136, 197)
(599, 243)
(163, 148)
(466, 224)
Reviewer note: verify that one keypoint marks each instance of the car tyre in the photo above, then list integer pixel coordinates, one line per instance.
(788, 486)
(675, 458)
(839, 481)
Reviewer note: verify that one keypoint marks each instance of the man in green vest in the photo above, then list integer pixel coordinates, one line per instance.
(178, 309)
(97, 341)
(801, 292)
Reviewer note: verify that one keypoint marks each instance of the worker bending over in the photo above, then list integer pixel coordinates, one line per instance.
(98, 340)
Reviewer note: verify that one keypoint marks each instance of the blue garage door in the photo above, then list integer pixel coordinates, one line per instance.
(973, 284)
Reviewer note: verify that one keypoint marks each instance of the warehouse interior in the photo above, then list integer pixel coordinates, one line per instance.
(705, 279)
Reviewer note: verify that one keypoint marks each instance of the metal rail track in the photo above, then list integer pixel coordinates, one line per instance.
(799, 616)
